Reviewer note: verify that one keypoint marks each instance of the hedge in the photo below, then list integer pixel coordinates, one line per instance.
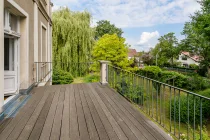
(184, 108)
(193, 83)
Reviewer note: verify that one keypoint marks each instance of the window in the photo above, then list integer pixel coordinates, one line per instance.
(184, 57)
(9, 53)
(10, 21)
(13, 22)
(6, 53)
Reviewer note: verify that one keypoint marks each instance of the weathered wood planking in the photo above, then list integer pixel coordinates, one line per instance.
(79, 112)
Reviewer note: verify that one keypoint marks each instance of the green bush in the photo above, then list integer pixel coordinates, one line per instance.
(61, 77)
(131, 91)
(152, 71)
(192, 82)
(184, 109)
(92, 78)
(194, 66)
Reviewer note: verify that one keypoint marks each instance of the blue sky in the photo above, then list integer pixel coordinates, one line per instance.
(143, 21)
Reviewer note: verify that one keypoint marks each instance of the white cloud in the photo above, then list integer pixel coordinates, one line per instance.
(141, 13)
(148, 40)
(136, 13)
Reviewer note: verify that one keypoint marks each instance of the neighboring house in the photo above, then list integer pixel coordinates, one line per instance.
(25, 37)
(132, 53)
(186, 59)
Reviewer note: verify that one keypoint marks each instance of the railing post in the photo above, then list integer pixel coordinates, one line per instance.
(104, 72)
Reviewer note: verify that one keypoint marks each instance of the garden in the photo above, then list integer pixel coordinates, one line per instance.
(166, 97)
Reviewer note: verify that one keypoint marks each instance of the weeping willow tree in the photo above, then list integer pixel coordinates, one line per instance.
(72, 40)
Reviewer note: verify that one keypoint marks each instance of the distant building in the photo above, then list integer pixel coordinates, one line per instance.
(132, 53)
(186, 59)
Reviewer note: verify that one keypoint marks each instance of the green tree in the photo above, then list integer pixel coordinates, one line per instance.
(167, 48)
(105, 27)
(113, 49)
(197, 33)
(73, 39)
(147, 58)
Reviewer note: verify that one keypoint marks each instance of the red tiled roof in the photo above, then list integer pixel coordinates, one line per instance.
(132, 52)
(194, 57)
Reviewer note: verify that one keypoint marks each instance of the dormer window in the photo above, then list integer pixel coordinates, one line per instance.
(184, 57)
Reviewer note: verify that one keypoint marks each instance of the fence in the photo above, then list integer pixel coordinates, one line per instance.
(182, 113)
(182, 70)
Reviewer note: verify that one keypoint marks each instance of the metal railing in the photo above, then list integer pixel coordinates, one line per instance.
(182, 113)
(43, 71)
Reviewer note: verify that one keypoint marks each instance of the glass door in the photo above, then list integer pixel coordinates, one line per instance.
(10, 65)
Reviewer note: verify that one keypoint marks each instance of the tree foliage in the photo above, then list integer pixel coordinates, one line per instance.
(73, 39)
(113, 49)
(197, 33)
(105, 27)
(167, 48)
(147, 58)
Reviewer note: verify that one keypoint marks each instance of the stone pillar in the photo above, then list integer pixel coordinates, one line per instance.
(1, 55)
(104, 72)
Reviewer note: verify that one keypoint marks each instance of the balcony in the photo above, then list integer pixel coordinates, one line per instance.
(79, 111)
(122, 105)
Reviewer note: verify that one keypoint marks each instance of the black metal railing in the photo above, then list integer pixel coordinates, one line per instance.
(182, 113)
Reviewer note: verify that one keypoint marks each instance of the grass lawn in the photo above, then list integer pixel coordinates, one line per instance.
(90, 78)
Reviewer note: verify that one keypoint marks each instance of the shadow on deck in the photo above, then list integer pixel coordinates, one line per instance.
(79, 111)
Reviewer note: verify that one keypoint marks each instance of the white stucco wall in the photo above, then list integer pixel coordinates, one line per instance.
(188, 61)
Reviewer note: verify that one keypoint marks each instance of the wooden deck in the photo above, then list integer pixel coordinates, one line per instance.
(79, 112)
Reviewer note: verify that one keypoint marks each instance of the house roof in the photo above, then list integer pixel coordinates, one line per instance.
(196, 58)
(132, 52)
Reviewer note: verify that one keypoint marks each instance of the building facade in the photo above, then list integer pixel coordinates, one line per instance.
(26, 38)
(186, 59)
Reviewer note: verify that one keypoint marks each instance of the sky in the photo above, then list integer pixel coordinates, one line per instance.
(142, 21)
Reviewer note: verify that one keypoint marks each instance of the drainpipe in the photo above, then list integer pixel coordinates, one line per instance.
(1, 55)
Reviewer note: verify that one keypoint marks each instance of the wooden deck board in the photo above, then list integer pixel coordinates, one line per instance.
(65, 135)
(46, 131)
(148, 124)
(124, 117)
(79, 112)
(74, 127)
(56, 128)
(98, 121)
(89, 119)
(22, 113)
(84, 134)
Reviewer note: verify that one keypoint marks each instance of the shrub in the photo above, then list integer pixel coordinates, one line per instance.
(191, 82)
(61, 77)
(194, 66)
(173, 78)
(92, 78)
(130, 90)
(183, 108)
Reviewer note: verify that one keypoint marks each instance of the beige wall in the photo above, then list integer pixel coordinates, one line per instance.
(1, 55)
(27, 51)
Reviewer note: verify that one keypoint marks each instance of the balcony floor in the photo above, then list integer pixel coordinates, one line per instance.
(79, 111)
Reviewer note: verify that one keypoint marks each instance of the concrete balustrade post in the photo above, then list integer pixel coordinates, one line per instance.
(104, 72)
